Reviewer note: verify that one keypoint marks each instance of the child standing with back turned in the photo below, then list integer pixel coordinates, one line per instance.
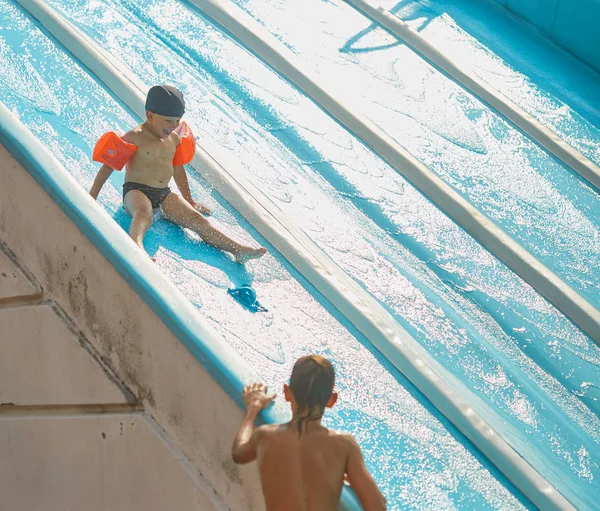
(302, 464)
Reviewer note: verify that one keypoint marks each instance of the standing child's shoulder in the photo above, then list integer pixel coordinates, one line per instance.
(268, 429)
(345, 440)
(265, 432)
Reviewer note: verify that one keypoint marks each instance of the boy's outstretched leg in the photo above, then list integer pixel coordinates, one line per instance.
(182, 213)
(140, 209)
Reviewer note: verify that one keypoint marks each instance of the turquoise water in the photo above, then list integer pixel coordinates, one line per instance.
(557, 89)
(509, 346)
(535, 198)
(419, 460)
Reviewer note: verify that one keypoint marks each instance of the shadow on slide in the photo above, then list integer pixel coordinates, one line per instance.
(184, 246)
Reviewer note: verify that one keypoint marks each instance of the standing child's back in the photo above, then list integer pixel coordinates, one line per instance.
(302, 464)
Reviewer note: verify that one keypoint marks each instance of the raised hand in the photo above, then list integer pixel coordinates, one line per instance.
(255, 396)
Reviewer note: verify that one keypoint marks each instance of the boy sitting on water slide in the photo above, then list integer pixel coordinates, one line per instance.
(302, 465)
(153, 152)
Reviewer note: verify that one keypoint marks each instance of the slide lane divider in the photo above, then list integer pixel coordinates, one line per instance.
(362, 310)
(274, 53)
(494, 98)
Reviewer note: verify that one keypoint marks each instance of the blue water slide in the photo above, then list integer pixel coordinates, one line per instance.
(65, 108)
(525, 363)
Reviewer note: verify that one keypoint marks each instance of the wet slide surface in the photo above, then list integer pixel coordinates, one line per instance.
(535, 198)
(547, 82)
(419, 460)
(500, 337)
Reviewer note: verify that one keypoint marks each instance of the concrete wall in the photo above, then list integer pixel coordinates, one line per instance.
(194, 411)
(72, 435)
(573, 24)
(94, 463)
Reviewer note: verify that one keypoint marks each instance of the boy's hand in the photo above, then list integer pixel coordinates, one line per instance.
(200, 207)
(255, 396)
(244, 448)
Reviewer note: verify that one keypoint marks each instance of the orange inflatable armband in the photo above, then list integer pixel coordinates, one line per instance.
(113, 151)
(187, 145)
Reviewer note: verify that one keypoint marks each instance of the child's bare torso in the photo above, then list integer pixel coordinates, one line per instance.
(152, 163)
(303, 473)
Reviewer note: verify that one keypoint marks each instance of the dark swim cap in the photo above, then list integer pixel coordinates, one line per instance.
(165, 100)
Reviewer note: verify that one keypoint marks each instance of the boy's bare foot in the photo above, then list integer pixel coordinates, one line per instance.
(141, 245)
(247, 253)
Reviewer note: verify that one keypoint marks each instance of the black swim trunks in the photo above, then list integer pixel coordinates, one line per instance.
(156, 195)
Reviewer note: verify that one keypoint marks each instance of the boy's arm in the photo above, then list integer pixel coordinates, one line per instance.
(181, 180)
(361, 481)
(103, 174)
(244, 445)
(246, 441)
(105, 171)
